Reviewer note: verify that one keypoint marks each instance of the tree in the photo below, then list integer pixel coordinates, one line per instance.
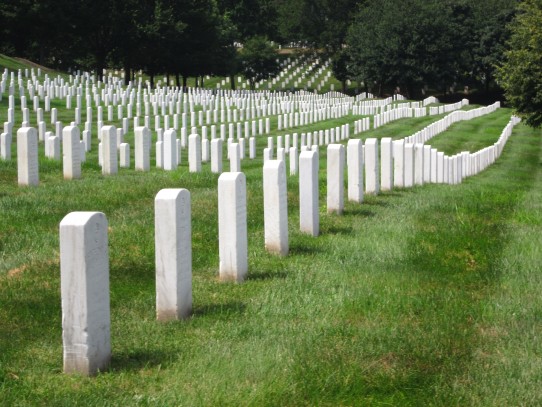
(521, 72)
(251, 17)
(407, 43)
(258, 60)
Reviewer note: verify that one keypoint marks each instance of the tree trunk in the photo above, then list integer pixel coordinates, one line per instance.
(344, 86)
(232, 82)
(184, 83)
(177, 79)
(151, 76)
(201, 81)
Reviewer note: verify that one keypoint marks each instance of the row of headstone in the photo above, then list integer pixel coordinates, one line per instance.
(443, 124)
(168, 153)
(84, 256)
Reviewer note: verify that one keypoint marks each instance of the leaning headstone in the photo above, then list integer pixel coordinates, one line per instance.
(27, 156)
(309, 218)
(354, 159)
(142, 148)
(84, 286)
(335, 178)
(232, 226)
(173, 248)
(71, 156)
(275, 197)
(109, 150)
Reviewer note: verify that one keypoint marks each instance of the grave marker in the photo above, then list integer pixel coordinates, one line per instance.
(275, 207)
(232, 226)
(173, 249)
(84, 286)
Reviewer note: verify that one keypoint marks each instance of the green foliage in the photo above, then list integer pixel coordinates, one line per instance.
(258, 60)
(404, 43)
(521, 73)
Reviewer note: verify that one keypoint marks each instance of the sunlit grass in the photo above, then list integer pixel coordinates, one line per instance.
(427, 296)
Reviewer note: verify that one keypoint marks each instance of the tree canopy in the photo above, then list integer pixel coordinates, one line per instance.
(521, 72)
(411, 44)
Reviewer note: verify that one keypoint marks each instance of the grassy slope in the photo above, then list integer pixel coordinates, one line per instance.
(416, 297)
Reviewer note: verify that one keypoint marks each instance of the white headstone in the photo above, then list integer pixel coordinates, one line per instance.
(216, 155)
(124, 151)
(109, 150)
(409, 165)
(5, 146)
(170, 150)
(235, 157)
(294, 160)
(418, 164)
(71, 156)
(275, 207)
(386, 164)
(372, 169)
(173, 248)
(399, 163)
(354, 158)
(232, 226)
(142, 148)
(84, 286)
(27, 156)
(309, 218)
(194, 153)
(335, 178)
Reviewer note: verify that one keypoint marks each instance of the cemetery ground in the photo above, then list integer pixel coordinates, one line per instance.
(420, 296)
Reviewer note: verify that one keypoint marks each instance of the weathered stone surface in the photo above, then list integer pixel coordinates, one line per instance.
(84, 286)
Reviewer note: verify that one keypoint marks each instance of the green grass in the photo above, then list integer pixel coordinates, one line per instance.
(425, 296)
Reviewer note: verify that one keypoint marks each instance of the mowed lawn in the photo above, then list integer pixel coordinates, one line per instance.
(425, 296)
